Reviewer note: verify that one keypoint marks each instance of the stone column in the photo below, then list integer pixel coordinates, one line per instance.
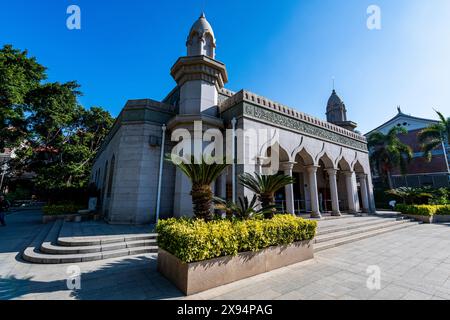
(260, 161)
(289, 189)
(373, 208)
(364, 193)
(221, 186)
(332, 173)
(352, 191)
(314, 193)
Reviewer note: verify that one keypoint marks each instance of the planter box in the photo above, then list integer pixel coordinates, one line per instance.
(196, 277)
(429, 219)
(74, 217)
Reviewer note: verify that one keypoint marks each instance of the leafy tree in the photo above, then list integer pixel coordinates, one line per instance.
(388, 152)
(53, 136)
(202, 175)
(19, 74)
(65, 143)
(265, 188)
(433, 136)
(54, 113)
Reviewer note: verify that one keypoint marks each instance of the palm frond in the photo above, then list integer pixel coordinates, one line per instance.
(265, 184)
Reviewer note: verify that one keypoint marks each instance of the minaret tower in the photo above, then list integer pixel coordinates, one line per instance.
(199, 78)
(199, 75)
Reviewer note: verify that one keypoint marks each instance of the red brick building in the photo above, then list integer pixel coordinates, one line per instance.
(420, 172)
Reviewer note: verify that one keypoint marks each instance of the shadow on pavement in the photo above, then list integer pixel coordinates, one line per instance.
(128, 279)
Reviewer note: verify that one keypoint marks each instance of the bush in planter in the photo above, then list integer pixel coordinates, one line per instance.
(197, 240)
(60, 209)
(423, 210)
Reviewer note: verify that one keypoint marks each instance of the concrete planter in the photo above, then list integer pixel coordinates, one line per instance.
(196, 277)
(429, 219)
(74, 217)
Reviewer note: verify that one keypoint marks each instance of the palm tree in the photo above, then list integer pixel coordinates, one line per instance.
(202, 175)
(246, 209)
(388, 152)
(265, 188)
(411, 195)
(434, 136)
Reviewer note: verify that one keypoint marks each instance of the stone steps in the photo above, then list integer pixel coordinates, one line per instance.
(49, 248)
(339, 235)
(328, 226)
(336, 232)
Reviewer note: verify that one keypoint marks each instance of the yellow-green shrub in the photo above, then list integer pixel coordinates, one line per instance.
(197, 240)
(443, 210)
(59, 209)
(423, 210)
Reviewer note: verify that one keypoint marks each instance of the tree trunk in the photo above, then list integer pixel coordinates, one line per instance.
(267, 200)
(391, 186)
(202, 197)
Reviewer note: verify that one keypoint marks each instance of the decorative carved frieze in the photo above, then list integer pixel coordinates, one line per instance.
(266, 104)
(266, 115)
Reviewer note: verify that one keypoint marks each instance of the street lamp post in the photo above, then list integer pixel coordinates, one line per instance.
(4, 168)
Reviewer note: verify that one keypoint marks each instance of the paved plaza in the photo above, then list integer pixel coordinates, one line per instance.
(414, 263)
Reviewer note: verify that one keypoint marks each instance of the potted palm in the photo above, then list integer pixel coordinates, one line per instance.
(201, 174)
(265, 188)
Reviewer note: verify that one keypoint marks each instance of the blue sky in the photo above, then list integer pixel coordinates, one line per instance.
(285, 50)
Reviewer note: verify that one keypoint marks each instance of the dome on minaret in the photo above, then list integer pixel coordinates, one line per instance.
(201, 40)
(337, 112)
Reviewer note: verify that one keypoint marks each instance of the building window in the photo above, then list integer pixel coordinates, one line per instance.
(111, 176)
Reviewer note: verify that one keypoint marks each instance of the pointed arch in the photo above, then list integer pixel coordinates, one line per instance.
(328, 163)
(304, 156)
(358, 167)
(344, 165)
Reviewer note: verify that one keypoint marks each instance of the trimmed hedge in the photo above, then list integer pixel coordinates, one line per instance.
(423, 210)
(196, 240)
(60, 209)
(443, 210)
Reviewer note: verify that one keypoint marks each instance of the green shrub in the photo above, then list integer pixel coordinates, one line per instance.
(423, 210)
(197, 240)
(60, 209)
(443, 210)
(19, 194)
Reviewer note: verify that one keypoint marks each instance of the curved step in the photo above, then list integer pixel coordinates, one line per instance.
(48, 247)
(36, 242)
(102, 240)
(42, 258)
(351, 232)
(43, 249)
(361, 236)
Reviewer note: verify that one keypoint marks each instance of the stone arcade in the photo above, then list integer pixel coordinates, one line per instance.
(328, 159)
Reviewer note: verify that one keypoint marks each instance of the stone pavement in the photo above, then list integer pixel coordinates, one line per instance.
(414, 264)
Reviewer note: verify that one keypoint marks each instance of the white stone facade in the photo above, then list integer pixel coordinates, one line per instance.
(330, 163)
